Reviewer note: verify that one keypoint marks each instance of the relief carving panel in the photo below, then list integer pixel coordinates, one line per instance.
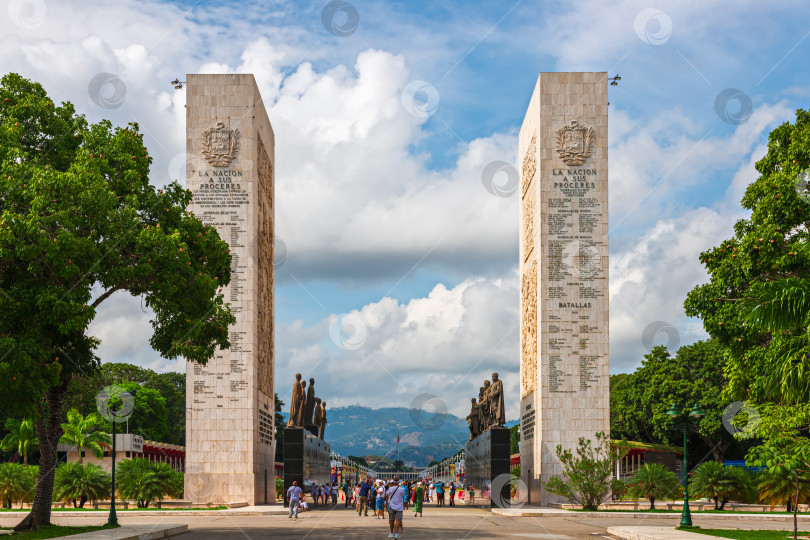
(528, 330)
(264, 248)
(529, 166)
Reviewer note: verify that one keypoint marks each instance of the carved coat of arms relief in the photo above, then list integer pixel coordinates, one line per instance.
(220, 145)
(575, 143)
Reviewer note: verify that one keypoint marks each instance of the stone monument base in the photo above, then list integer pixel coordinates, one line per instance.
(486, 467)
(307, 460)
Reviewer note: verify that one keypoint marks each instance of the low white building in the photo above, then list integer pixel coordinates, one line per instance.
(128, 446)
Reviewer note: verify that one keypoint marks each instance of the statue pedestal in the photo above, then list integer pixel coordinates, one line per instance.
(486, 467)
(307, 460)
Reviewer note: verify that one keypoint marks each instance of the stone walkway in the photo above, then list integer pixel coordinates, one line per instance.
(134, 532)
(638, 532)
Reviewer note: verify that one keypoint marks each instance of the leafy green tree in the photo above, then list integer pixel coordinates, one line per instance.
(639, 401)
(149, 414)
(359, 460)
(79, 221)
(278, 420)
(82, 433)
(21, 438)
(618, 488)
(721, 484)
(769, 246)
(514, 439)
(76, 482)
(145, 482)
(171, 386)
(653, 481)
(785, 451)
(587, 473)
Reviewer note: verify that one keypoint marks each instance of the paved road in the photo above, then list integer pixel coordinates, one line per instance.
(437, 524)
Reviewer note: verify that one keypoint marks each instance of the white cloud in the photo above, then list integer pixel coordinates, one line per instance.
(356, 201)
(446, 343)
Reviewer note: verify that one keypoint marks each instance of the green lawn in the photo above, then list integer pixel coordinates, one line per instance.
(55, 531)
(679, 511)
(747, 535)
(117, 509)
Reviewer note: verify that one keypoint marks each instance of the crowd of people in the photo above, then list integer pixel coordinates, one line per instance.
(379, 496)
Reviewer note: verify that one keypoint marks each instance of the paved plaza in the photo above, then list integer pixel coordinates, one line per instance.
(447, 523)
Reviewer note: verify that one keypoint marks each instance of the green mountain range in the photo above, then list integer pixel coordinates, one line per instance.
(361, 431)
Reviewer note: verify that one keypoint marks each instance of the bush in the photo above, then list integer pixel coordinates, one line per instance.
(721, 484)
(74, 481)
(145, 482)
(618, 488)
(654, 481)
(17, 483)
(586, 478)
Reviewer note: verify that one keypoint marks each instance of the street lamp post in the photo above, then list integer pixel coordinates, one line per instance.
(683, 421)
(113, 518)
(116, 405)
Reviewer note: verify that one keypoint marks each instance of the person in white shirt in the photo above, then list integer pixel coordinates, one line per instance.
(394, 497)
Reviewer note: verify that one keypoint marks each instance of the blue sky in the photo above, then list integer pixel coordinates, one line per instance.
(383, 212)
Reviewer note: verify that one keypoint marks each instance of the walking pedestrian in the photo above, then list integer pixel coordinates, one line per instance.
(380, 489)
(472, 494)
(452, 494)
(440, 494)
(394, 499)
(294, 496)
(419, 493)
(314, 493)
(362, 497)
(334, 494)
(346, 491)
(372, 499)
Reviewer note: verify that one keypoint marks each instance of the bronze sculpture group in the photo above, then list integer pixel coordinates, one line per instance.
(489, 410)
(306, 410)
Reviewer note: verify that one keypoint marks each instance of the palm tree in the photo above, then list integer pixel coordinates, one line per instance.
(79, 431)
(74, 481)
(782, 307)
(779, 487)
(169, 481)
(22, 438)
(721, 484)
(144, 481)
(17, 482)
(11, 482)
(653, 481)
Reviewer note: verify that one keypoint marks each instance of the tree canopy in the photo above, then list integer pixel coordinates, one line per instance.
(768, 246)
(639, 400)
(80, 221)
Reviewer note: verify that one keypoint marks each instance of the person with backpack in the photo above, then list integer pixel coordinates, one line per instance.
(394, 498)
(452, 493)
(294, 495)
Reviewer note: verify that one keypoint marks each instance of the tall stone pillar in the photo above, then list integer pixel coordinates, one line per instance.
(230, 401)
(564, 365)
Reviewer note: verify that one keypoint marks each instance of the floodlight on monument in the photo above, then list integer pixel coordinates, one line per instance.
(614, 81)
(178, 84)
